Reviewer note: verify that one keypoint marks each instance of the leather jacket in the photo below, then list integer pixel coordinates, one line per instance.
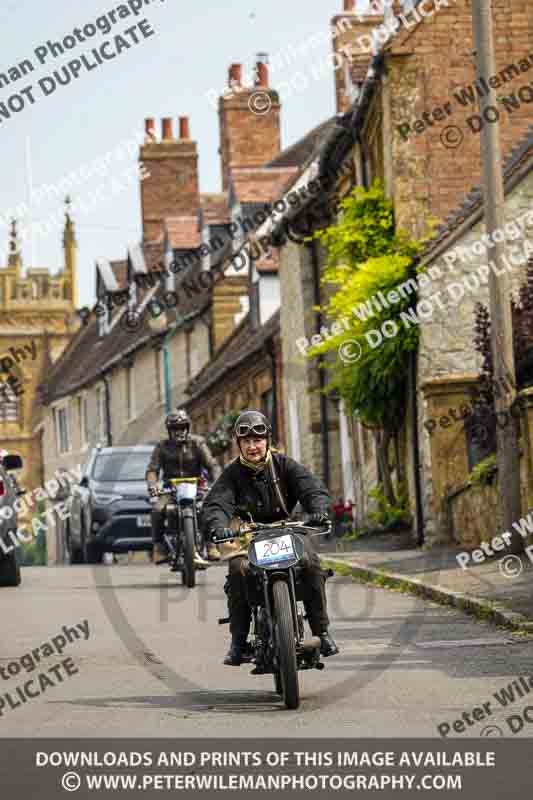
(241, 491)
(182, 460)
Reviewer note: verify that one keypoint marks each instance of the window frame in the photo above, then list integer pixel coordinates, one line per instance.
(62, 412)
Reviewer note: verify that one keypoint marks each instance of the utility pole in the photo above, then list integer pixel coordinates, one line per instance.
(499, 285)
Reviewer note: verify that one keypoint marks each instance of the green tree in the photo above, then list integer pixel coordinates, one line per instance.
(365, 254)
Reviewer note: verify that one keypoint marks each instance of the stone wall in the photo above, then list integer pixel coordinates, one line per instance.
(446, 341)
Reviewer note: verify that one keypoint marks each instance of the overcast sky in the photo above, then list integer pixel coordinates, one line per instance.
(167, 74)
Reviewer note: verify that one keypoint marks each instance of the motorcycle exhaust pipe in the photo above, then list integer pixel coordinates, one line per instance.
(311, 644)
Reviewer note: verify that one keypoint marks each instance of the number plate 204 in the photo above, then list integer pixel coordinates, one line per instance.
(269, 551)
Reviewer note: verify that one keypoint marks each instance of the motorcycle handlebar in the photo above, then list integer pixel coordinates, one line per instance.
(254, 526)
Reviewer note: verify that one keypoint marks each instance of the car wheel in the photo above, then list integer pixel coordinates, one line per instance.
(73, 552)
(10, 570)
(92, 553)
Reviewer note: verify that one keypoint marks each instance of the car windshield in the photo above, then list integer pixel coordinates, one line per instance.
(121, 467)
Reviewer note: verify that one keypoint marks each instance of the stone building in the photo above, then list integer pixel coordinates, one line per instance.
(407, 106)
(37, 321)
(449, 365)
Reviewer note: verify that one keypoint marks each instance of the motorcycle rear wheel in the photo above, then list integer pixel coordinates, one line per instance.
(189, 570)
(286, 645)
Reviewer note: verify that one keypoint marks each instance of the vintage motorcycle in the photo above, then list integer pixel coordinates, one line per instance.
(182, 531)
(275, 560)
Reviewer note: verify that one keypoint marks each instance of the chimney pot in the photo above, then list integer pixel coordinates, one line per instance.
(167, 128)
(149, 128)
(262, 75)
(185, 132)
(235, 75)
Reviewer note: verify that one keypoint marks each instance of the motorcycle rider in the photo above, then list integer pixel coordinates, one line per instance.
(250, 485)
(182, 455)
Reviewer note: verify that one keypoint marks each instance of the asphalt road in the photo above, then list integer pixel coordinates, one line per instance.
(151, 665)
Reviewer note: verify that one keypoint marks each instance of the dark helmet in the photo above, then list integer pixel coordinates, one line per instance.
(178, 423)
(252, 423)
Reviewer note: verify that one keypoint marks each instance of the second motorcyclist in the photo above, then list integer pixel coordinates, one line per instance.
(181, 455)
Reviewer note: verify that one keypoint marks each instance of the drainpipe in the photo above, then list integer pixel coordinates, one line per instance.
(416, 453)
(271, 350)
(321, 376)
(109, 435)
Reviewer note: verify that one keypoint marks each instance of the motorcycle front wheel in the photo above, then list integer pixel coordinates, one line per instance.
(189, 570)
(286, 645)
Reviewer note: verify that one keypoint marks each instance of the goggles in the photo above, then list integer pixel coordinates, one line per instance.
(243, 430)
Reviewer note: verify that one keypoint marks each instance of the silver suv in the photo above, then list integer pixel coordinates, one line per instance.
(9, 491)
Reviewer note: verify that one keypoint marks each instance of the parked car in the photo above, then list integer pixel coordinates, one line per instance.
(9, 491)
(110, 510)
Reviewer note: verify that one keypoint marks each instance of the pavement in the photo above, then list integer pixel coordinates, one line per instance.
(151, 664)
(498, 590)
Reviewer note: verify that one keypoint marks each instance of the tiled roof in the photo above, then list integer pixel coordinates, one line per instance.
(256, 185)
(182, 232)
(120, 271)
(86, 357)
(154, 253)
(519, 163)
(242, 344)
(299, 153)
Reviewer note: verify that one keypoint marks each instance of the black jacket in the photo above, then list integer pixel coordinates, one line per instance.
(241, 490)
(183, 459)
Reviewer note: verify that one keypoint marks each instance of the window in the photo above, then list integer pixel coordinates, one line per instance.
(83, 412)
(62, 430)
(101, 407)
(9, 403)
(130, 392)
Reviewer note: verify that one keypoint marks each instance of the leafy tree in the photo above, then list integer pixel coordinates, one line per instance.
(365, 255)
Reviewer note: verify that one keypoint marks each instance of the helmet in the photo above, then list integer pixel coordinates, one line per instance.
(252, 423)
(179, 424)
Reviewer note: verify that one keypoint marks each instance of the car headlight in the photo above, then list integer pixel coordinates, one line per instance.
(106, 499)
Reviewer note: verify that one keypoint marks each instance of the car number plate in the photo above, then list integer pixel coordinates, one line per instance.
(144, 521)
(270, 551)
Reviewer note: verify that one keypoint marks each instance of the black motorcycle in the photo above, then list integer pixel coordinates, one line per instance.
(279, 645)
(182, 532)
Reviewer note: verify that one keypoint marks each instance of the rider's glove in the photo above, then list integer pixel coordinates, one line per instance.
(152, 491)
(221, 534)
(318, 518)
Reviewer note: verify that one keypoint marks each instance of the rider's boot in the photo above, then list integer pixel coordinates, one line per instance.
(328, 646)
(159, 553)
(239, 652)
(199, 562)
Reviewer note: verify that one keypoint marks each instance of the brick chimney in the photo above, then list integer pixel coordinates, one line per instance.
(172, 185)
(249, 122)
(352, 47)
